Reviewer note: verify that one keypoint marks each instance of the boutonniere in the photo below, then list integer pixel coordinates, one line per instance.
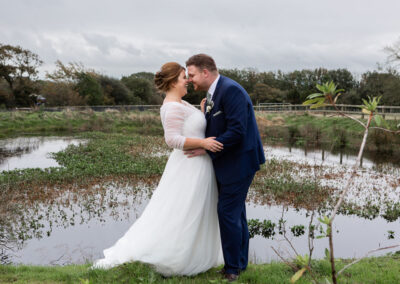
(209, 107)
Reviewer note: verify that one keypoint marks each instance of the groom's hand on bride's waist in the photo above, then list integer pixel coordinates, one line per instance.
(195, 152)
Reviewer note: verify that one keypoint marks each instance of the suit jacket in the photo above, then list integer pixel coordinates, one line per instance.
(232, 121)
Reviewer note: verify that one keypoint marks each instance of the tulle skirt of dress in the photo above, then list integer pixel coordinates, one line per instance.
(178, 231)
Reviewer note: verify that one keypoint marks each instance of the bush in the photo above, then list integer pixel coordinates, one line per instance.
(89, 88)
(115, 91)
(143, 89)
(61, 94)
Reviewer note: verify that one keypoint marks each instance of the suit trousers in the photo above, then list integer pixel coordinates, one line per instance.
(233, 224)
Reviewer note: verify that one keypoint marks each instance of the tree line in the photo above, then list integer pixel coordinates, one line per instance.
(73, 84)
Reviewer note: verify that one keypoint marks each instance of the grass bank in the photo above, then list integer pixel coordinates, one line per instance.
(295, 129)
(37, 123)
(148, 122)
(371, 270)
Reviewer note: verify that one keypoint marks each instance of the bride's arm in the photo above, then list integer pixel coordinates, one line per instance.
(173, 124)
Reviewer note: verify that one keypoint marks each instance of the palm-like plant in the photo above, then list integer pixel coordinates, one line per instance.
(328, 96)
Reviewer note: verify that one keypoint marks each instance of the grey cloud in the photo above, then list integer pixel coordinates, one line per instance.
(125, 36)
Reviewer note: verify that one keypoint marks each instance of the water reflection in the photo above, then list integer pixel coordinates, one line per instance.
(77, 227)
(31, 152)
(73, 227)
(319, 156)
(353, 236)
(340, 155)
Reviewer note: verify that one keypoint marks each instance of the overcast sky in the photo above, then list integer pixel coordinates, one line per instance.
(120, 37)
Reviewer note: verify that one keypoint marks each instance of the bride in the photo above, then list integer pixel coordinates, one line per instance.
(178, 231)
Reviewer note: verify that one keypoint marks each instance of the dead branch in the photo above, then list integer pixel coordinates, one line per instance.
(368, 253)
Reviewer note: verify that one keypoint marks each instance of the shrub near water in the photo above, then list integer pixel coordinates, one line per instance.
(277, 183)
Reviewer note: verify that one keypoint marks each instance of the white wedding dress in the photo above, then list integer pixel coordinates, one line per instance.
(178, 231)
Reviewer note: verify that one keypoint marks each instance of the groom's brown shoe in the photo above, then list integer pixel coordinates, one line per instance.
(222, 271)
(231, 277)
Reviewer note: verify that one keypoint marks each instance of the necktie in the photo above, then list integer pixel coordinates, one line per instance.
(208, 99)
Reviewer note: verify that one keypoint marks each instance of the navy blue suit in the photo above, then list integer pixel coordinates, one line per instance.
(232, 121)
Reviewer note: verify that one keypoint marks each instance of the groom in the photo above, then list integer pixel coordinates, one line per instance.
(230, 118)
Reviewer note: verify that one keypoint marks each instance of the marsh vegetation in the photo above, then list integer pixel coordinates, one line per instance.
(107, 180)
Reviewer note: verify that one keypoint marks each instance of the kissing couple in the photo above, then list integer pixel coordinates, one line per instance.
(196, 217)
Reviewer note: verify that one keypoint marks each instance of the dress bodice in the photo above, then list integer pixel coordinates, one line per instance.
(181, 120)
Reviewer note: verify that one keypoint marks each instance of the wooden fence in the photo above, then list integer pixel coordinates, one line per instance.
(390, 111)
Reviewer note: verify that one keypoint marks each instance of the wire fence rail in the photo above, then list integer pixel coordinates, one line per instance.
(392, 111)
(93, 108)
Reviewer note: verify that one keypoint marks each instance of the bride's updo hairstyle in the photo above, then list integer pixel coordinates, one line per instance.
(167, 76)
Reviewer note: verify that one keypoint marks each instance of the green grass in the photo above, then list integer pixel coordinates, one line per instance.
(14, 124)
(370, 270)
(324, 123)
(42, 274)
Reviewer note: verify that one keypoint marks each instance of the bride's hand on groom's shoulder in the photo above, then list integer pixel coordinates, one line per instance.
(202, 104)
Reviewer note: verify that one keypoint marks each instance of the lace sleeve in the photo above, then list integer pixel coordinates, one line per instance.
(173, 119)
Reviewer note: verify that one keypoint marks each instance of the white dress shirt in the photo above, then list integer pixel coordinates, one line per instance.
(211, 90)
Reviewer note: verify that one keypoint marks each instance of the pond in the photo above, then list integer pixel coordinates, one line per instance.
(83, 233)
(31, 152)
(77, 226)
(327, 156)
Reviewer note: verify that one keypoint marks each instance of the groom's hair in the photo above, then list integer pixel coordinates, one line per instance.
(202, 61)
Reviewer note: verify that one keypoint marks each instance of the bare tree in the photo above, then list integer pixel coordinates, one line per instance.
(393, 53)
(67, 73)
(19, 67)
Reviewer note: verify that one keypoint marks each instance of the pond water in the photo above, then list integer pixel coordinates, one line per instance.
(353, 236)
(78, 231)
(316, 156)
(31, 152)
(84, 241)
